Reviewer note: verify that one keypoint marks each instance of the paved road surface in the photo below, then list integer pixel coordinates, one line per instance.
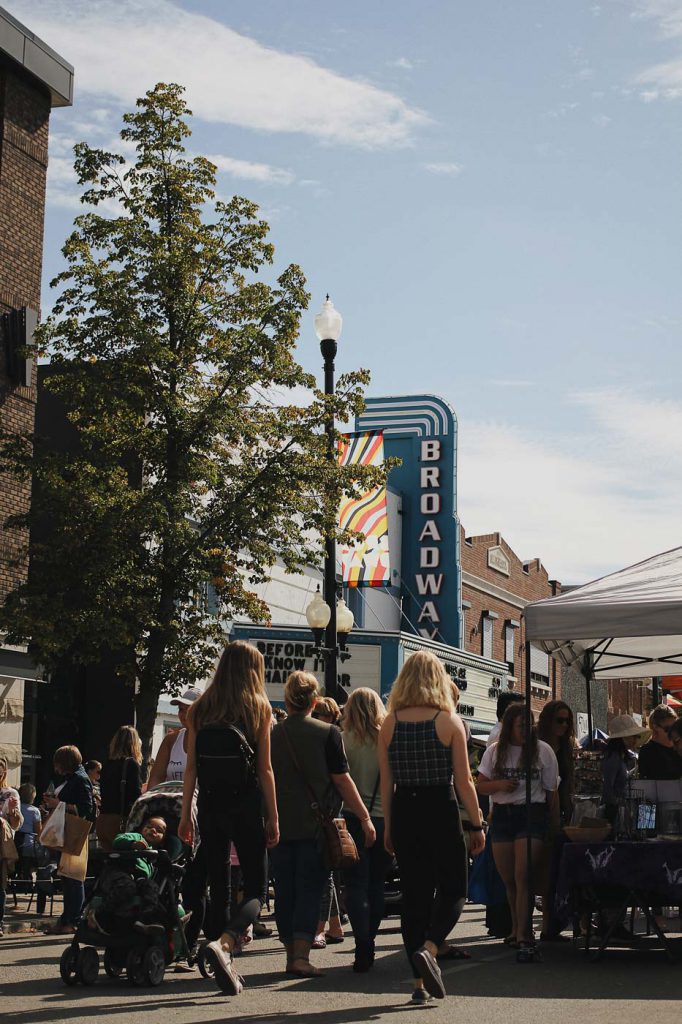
(491, 987)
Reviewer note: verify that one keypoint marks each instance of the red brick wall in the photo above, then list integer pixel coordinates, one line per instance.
(628, 697)
(526, 582)
(24, 118)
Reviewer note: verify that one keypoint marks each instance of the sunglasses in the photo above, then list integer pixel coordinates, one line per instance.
(666, 728)
(562, 721)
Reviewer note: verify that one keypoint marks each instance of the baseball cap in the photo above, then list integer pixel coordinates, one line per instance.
(188, 697)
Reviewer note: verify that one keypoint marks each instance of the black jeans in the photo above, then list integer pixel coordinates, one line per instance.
(245, 829)
(365, 882)
(429, 846)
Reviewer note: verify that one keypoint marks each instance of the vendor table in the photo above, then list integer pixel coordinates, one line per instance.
(612, 876)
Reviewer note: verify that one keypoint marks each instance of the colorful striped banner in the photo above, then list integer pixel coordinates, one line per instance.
(365, 563)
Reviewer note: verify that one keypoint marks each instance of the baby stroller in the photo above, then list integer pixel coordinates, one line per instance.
(141, 955)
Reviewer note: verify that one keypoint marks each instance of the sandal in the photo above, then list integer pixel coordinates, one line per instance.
(511, 941)
(301, 968)
(319, 942)
(333, 940)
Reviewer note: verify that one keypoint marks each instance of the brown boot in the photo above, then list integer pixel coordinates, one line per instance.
(300, 961)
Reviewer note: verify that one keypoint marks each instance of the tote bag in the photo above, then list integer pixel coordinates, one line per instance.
(53, 829)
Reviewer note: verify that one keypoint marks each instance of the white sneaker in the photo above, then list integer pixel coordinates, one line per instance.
(226, 976)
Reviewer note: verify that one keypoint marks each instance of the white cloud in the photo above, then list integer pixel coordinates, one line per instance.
(664, 80)
(264, 173)
(443, 168)
(601, 120)
(602, 498)
(403, 63)
(121, 49)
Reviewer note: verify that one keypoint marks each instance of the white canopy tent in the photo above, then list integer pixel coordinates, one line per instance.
(623, 626)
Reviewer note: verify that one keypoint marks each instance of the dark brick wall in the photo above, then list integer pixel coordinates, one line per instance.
(526, 582)
(24, 120)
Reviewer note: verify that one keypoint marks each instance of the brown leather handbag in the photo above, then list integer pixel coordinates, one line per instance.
(338, 846)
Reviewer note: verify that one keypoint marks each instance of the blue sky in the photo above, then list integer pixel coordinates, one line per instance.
(491, 193)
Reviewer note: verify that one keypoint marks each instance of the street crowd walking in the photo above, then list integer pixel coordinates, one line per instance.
(318, 804)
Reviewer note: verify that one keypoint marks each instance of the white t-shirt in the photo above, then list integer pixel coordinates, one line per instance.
(544, 774)
(494, 734)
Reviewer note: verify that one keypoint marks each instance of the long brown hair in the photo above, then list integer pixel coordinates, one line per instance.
(236, 694)
(528, 757)
(566, 742)
(363, 714)
(126, 743)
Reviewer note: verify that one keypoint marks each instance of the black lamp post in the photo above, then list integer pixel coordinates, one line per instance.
(323, 614)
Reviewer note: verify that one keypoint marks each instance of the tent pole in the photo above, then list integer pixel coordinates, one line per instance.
(587, 671)
(524, 955)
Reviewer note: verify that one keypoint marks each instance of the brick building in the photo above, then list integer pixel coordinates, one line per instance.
(496, 587)
(33, 80)
(629, 697)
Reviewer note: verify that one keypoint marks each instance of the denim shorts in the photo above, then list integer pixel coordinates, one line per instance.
(510, 822)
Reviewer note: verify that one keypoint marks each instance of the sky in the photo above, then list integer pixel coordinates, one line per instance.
(489, 191)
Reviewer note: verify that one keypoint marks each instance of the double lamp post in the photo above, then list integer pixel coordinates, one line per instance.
(325, 616)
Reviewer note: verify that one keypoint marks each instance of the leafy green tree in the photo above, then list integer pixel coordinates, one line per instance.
(192, 462)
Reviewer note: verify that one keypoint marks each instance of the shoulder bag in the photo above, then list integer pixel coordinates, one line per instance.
(338, 846)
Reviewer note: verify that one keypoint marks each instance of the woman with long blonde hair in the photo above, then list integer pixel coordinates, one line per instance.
(120, 784)
(363, 715)
(228, 753)
(423, 760)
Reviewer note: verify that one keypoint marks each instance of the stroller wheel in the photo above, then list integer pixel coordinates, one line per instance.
(67, 965)
(87, 965)
(134, 968)
(205, 964)
(112, 968)
(153, 965)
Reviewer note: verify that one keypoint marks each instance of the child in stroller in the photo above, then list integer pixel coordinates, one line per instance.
(133, 911)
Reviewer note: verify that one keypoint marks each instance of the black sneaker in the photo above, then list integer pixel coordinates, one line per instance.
(429, 972)
(420, 997)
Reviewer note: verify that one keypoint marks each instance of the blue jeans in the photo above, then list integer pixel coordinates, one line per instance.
(74, 898)
(300, 877)
(365, 881)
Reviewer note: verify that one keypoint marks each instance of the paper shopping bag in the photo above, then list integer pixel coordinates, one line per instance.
(76, 831)
(73, 865)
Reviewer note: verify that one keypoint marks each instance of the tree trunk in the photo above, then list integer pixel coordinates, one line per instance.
(146, 704)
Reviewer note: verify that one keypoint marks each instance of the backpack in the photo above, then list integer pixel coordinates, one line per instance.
(226, 765)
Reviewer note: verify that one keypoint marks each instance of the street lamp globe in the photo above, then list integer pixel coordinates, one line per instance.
(318, 612)
(328, 322)
(345, 620)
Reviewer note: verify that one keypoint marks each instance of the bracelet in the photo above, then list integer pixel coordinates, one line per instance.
(476, 828)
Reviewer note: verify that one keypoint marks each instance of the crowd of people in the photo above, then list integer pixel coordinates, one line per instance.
(260, 790)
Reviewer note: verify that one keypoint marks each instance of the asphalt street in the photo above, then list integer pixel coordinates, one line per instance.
(624, 987)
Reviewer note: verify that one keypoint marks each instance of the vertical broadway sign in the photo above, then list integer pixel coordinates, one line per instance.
(421, 431)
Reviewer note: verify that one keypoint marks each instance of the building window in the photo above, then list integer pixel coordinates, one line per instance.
(509, 645)
(487, 637)
(539, 666)
(466, 605)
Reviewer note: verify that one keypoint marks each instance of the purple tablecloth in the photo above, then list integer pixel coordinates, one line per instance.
(651, 868)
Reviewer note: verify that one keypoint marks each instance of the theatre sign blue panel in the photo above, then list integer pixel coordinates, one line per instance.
(422, 431)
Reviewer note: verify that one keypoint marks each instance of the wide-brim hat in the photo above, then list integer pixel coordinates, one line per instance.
(191, 694)
(623, 726)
